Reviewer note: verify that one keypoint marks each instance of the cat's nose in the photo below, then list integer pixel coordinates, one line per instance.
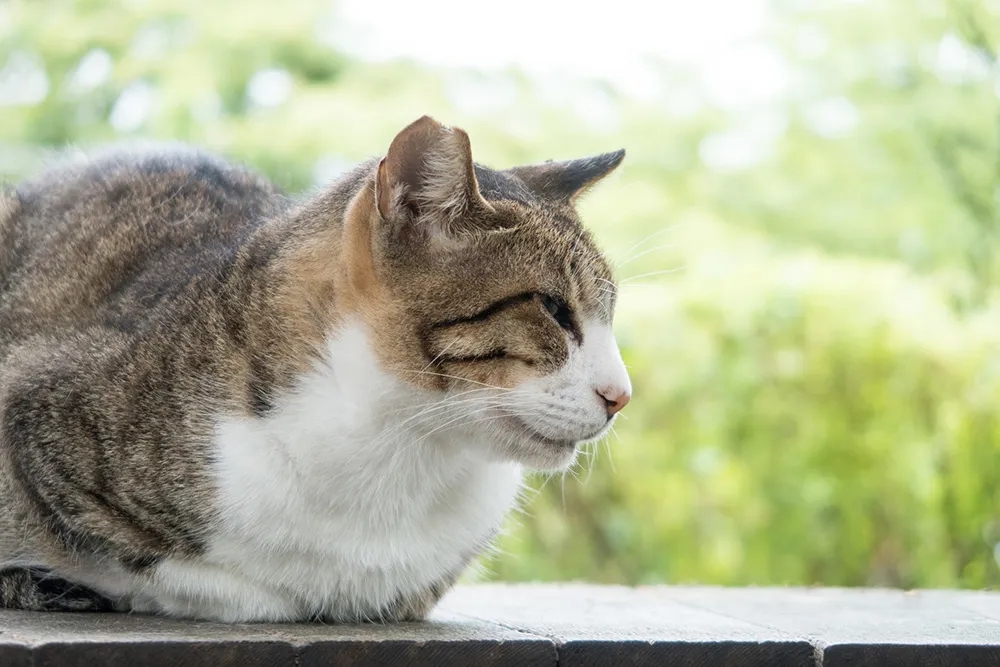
(615, 398)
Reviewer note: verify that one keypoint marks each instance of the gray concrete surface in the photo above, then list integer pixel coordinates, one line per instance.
(555, 625)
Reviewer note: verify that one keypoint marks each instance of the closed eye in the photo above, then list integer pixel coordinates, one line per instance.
(487, 312)
(559, 311)
(554, 306)
(474, 358)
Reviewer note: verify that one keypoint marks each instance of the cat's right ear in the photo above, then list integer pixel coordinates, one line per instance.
(427, 180)
(565, 181)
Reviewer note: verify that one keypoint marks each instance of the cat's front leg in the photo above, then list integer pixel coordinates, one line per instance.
(186, 588)
(38, 589)
(416, 606)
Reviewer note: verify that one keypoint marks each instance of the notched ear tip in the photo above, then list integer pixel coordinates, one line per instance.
(569, 179)
(614, 158)
(605, 163)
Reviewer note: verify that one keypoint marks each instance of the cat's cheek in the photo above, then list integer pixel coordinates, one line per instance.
(504, 374)
(569, 405)
(511, 373)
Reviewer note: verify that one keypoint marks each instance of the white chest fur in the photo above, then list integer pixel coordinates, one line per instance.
(333, 506)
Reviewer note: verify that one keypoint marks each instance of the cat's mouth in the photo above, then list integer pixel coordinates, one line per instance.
(533, 435)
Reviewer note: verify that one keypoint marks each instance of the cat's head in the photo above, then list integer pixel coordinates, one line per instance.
(483, 288)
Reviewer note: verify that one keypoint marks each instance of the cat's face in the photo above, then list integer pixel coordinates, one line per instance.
(483, 288)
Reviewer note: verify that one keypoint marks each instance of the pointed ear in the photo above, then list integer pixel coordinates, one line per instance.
(428, 175)
(567, 180)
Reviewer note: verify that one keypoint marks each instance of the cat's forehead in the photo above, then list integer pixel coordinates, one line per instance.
(549, 247)
(527, 209)
(557, 224)
(534, 245)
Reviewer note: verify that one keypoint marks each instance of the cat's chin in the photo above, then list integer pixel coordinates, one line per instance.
(544, 456)
(539, 452)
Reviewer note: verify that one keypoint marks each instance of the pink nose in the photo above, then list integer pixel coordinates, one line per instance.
(615, 398)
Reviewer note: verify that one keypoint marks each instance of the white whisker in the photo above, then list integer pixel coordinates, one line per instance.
(651, 237)
(629, 280)
(643, 254)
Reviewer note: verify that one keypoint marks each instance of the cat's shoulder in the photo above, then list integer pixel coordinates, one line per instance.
(140, 163)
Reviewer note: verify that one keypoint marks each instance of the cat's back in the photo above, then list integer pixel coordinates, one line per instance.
(124, 229)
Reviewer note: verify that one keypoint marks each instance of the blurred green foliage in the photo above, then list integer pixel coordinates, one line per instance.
(817, 370)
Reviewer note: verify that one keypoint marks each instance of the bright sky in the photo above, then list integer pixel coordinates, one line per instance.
(617, 40)
(629, 43)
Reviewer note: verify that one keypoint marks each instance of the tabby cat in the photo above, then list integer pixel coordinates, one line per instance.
(219, 403)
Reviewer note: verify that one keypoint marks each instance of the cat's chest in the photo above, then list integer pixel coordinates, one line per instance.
(408, 504)
(335, 505)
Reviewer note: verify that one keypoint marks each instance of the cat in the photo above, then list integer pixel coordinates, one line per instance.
(219, 403)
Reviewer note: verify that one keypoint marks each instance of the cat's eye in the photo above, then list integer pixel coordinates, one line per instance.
(558, 310)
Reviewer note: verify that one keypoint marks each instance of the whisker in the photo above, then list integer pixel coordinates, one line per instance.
(659, 285)
(453, 377)
(591, 455)
(607, 445)
(609, 283)
(652, 236)
(562, 479)
(643, 254)
(628, 280)
(439, 355)
(454, 411)
(447, 398)
(484, 403)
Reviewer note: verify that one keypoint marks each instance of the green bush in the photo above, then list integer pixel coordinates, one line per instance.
(796, 420)
(817, 376)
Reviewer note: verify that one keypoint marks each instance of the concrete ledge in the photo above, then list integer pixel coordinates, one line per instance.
(568, 626)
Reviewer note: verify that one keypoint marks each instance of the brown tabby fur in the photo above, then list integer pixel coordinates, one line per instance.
(142, 294)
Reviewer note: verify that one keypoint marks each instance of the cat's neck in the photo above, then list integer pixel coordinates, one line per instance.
(347, 427)
(306, 271)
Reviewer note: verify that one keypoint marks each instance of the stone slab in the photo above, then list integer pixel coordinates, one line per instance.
(90, 640)
(981, 602)
(861, 627)
(570, 625)
(56, 639)
(609, 625)
(446, 640)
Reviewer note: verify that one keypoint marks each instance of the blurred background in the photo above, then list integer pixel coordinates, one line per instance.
(806, 230)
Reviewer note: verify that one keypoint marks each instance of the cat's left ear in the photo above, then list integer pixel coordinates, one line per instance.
(428, 179)
(565, 181)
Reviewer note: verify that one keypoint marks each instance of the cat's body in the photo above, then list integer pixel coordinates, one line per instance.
(217, 403)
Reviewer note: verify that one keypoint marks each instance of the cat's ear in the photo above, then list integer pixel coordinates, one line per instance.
(565, 181)
(428, 178)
